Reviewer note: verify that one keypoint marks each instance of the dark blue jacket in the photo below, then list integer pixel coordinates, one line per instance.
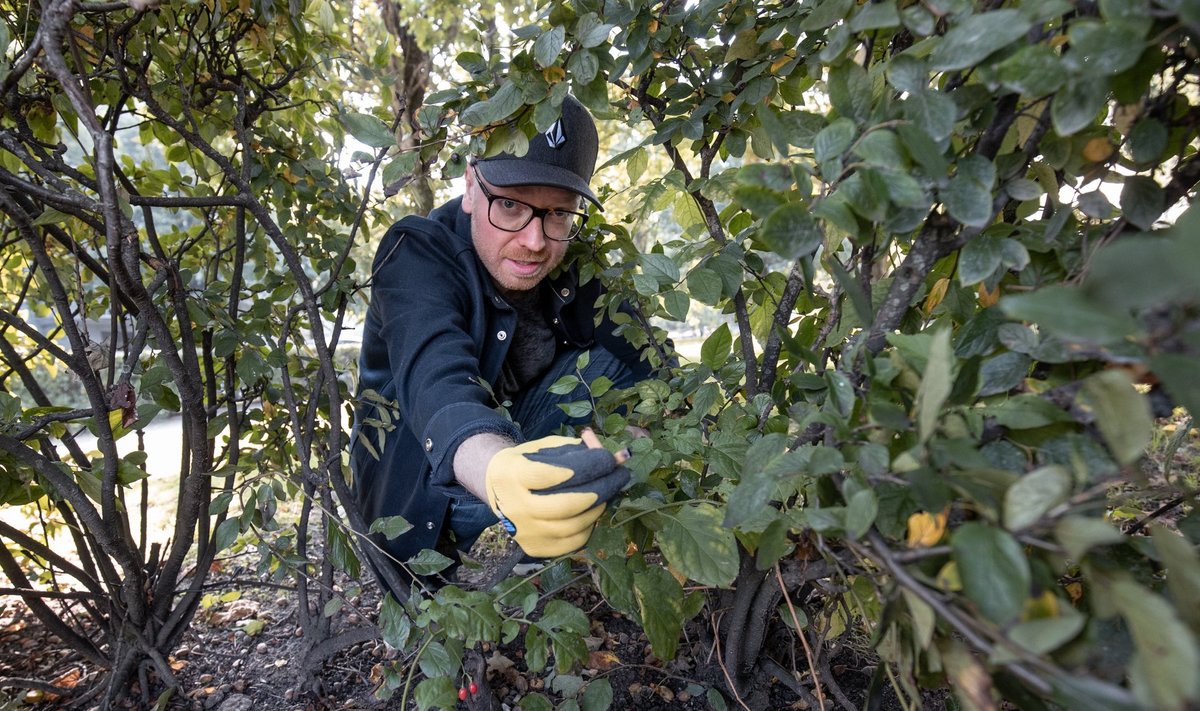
(436, 327)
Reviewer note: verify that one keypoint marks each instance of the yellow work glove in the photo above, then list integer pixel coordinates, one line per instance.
(548, 493)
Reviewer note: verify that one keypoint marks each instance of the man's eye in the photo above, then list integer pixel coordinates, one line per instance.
(510, 204)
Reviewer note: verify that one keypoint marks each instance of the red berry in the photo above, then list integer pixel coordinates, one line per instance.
(474, 688)
(462, 694)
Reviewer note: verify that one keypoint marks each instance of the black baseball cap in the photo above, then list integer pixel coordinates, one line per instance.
(562, 156)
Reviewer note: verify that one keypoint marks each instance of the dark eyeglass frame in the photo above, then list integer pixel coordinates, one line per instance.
(539, 212)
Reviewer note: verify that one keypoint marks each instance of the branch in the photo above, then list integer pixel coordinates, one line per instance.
(783, 314)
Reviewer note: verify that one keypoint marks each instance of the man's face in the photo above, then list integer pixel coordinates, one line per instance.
(517, 261)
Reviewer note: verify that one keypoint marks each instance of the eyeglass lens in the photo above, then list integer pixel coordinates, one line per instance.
(512, 216)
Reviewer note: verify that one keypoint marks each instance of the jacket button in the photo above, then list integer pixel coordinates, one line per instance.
(565, 292)
(428, 445)
(501, 335)
(555, 322)
(429, 525)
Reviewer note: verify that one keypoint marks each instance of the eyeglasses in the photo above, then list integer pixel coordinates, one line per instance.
(512, 215)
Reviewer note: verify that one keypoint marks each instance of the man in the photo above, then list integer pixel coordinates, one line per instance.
(469, 309)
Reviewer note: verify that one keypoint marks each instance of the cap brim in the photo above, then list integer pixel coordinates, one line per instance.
(512, 173)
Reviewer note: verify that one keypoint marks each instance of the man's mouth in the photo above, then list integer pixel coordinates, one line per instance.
(523, 267)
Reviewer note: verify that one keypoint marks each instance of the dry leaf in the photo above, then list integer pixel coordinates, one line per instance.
(603, 660)
(926, 529)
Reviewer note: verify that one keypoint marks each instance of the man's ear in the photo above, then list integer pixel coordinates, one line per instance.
(468, 201)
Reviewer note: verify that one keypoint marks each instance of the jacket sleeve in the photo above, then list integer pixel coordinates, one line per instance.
(422, 307)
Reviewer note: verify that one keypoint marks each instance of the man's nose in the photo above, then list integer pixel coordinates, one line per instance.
(531, 237)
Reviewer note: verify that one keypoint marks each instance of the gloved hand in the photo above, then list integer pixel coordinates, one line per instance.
(549, 492)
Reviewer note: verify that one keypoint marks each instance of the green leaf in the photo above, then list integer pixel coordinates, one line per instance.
(744, 46)
(548, 46)
(226, 534)
(676, 304)
(661, 268)
(826, 14)
(660, 606)
(220, 504)
(598, 696)
(1033, 71)
(704, 285)
(341, 553)
(564, 385)
(834, 139)
(791, 231)
(1148, 140)
(995, 573)
(1142, 201)
(1122, 414)
(698, 546)
(1067, 312)
(875, 16)
(1183, 573)
(428, 562)
(565, 625)
(1163, 671)
(1026, 411)
(933, 112)
(369, 130)
(971, 41)
(1079, 534)
(968, 201)
(881, 148)
(400, 167)
(1044, 635)
(758, 200)
(394, 623)
(1076, 107)
(979, 259)
(861, 510)
(716, 348)
(715, 700)
(436, 692)
(1034, 494)
(1104, 48)
(436, 660)
(535, 702)
(390, 526)
(590, 32)
(936, 382)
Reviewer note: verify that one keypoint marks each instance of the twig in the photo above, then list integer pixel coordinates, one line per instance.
(785, 677)
(19, 682)
(724, 669)
(808, 654)
(1173, 503)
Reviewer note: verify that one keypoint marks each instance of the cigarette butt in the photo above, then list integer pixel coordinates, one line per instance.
(593, 442)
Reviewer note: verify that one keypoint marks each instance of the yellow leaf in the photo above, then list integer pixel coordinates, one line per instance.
(936, 293)
(554, 75)
(948, 579)
(1097, 149)
(602, 660)
(1075, 590)
(1041, 607)
(988, 298)
(925, 529)
(114, 419)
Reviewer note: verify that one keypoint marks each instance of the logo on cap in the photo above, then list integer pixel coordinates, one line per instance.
(555, 136)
